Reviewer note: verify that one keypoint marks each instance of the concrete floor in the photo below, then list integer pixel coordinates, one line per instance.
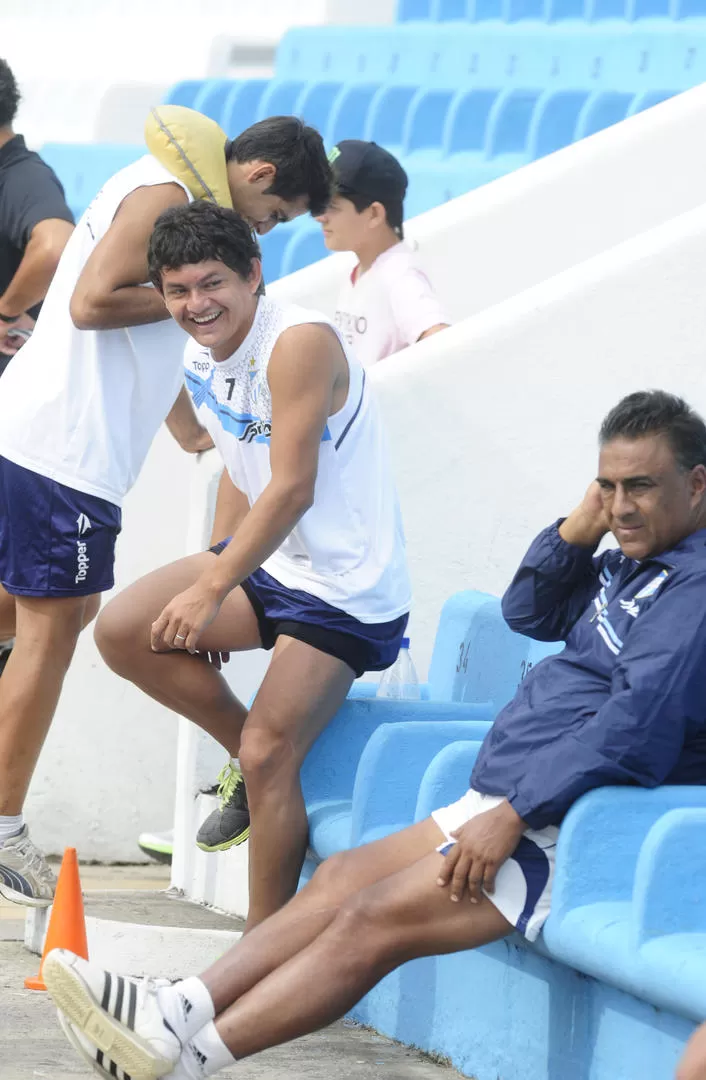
(32, 1046)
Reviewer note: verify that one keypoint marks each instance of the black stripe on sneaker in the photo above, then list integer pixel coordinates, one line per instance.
(132, 1009)
(99, 1058)
(118, 1013)
(106, 990)
(113, 1069)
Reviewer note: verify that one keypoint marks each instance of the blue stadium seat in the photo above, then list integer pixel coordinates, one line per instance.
(184, 93)
(241, 105)
(509, 123)
(83, 168)
(650, 9)
(597, 10)
(561, 10)
(645, 101)
(467, 121)
(517, 10)
(280, 98)
(273, 245)
(482, 10)
(427, 188)
(305, 246)
(600, 111)
(349, 112)
(387, 116)
(554, 121)
(450, 10)
(316, 104)
(408, 10)
(212, 97)
(426, 118)
(689, 9)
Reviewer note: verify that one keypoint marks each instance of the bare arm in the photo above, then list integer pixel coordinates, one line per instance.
(184, 426)
(303, 375)
(39, 262)
(110, 291)
(232, 507)
(433, 330)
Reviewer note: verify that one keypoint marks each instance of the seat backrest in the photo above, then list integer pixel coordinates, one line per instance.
(467, 121)
(305, 247)
(424, 126)
(316, 102)
(349, 113)
(241, 105)
(184, 92)
(477, 658)
(509, 123)
(410, 10)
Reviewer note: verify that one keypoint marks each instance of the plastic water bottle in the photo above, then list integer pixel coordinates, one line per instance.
(400, 681)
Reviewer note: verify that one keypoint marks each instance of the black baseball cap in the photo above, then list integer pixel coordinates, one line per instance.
(364, 168)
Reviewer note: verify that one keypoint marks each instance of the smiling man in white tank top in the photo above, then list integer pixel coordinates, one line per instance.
(79, 407)
(316, 568)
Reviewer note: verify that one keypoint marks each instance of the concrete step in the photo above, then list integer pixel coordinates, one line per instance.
(139, 932)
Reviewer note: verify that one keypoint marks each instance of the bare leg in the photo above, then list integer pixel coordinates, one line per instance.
(405, 915)
(45, 638)
(312, 910)
(187, 684)
(301, 692)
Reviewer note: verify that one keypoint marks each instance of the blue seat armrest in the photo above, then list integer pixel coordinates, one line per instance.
(669, 881)
(600, 841)
(396, 757)
(369, 690)
(330, 767)
(446, 777)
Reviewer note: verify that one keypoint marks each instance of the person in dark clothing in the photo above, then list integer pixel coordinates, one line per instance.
(35, 225)
(624, 703)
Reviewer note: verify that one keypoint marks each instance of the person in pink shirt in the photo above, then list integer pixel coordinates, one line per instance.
(387, 302)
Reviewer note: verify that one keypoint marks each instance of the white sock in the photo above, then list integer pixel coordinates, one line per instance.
(235, 762)
(202, 1056)
(10, 826)
(187, 1006)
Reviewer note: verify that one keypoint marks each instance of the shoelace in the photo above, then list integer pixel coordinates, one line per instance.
(36, 863)
(229, 780)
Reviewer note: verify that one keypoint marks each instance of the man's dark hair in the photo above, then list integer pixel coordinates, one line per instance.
(297, 152)
(199, 231)
(654, 412)
(9, 95)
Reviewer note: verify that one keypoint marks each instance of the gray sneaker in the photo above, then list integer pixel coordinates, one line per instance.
(25, 876)
(230, 824)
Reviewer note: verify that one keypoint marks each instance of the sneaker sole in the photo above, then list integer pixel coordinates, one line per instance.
(70, 1034)
(74, 997)
(21, 898)
(239, 839)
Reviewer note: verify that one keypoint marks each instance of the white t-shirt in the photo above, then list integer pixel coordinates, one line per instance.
(348, 548)
(388, 307)
(82, 406)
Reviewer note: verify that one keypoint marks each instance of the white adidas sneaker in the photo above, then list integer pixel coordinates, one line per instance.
(98, 1061)
(120, 1017)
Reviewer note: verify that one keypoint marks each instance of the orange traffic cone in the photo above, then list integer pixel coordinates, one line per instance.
(67, 925)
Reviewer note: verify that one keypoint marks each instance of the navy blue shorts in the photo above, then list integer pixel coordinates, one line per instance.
(298, 614)
(54, 541)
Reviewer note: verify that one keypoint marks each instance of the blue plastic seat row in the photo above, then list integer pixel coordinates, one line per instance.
(619, 56)
(549, 10)
(83, 168)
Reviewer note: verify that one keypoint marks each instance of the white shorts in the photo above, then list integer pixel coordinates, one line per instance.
(523, 885)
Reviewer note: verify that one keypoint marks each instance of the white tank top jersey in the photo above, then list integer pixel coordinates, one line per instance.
(82, 406)
(348, 549)
(388, 307)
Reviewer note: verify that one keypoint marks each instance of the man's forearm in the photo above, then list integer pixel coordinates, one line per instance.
(131, 305)
(269, 522)
(232, 507)
(31, 280)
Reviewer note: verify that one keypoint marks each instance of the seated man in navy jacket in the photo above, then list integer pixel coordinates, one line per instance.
(624, 703)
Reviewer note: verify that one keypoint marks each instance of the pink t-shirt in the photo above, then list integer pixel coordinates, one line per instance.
(388, 307)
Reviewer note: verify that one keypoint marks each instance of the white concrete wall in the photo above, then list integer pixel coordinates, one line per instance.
(525, 227)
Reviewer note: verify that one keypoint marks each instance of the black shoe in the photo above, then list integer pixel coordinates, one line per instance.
(230, 824)
(5, 650)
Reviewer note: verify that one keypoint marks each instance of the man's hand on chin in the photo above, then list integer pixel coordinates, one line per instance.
(482, 845)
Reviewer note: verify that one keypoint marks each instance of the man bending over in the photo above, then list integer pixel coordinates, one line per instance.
(624, 703)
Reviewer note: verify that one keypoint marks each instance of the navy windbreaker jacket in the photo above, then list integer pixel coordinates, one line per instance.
(625, 702)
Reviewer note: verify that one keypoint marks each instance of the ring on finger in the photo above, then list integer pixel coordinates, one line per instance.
(180, 637)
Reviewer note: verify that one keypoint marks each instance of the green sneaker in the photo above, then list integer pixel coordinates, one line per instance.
(229, 825)
(159, 846)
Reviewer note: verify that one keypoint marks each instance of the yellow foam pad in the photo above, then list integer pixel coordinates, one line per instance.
(192, 147)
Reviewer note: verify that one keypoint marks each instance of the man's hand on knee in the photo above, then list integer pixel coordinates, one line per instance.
(482, 845)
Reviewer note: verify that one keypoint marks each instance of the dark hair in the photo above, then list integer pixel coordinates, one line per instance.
(9, 95)
(199, 231)
(296, 151)
(655, 412)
